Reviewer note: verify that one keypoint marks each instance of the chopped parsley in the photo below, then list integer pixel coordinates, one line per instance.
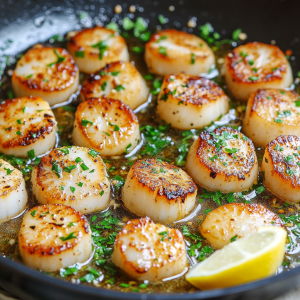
(31, 154)
(79, 54)
(289, 158)
(102, 47)
(59, 59)
(193, 58)
(233, 150)
(56, 168)
(72, 189)
(93, 153)
(164, 234)
(234, 238)
(163, 51)
(120, 181)
(127, 23)
(155, 138)
(33, 213)
(278, 148)
(119, 88)
(69, 271)
(116, 127)
(69, 108)
(156, 86)
(85, 122)
(290, 172)
(69, 237)
(162, 19)
(65, 150)
(137, 49)
(217, 196)
(236, 33)
(103, 86)
(70, 168)
(283, 114)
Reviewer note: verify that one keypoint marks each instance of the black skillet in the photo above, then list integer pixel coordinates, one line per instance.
(27, 22)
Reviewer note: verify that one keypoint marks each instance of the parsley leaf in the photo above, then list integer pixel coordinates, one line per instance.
(59, 59)
(69, 237)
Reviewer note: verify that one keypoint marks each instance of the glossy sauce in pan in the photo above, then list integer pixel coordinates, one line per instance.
(110, 277)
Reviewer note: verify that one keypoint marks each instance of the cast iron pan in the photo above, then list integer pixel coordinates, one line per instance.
(27, 22)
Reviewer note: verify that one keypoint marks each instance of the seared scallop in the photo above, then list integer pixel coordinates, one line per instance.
(26, 124)
(170, 51)
(232, 221)
(72, 176)
(93, 48)
(53, 237)
(223, 160)
(156, 189)
(276, 111)
(106, 125)
(188, 102)
(118, 80)
(13, 194)
(149, 251)
(281, 167)
(256, 66)
(46, 72)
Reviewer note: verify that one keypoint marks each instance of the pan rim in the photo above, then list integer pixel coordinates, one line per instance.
(110, 294)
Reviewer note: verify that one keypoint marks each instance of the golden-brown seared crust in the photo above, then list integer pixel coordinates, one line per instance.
(171, 181)
(238, 164)
(162, 252)
(241, 68)
(124, 117)
(11, 182)
(82, 41)
(236, 220)
(44, 174)
(180, 38)
(265, 99)
(221, 217)
(189, 89)
(50, 218)
(278, 150)
(11, 110)
(46, 79)
(96, 81)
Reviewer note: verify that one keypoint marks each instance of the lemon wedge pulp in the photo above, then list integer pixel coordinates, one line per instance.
(251, 258)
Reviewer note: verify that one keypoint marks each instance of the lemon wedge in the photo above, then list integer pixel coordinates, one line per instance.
(251, 258)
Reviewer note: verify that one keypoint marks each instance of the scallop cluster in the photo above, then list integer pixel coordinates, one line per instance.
(71, 181)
